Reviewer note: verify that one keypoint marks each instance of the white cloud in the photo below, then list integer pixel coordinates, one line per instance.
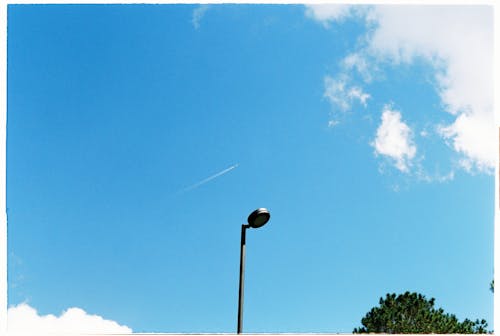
(457, 41)
(464, 134)
(335, 92)
(394, 140)
(333, 123)
(198, 14)
(357, 61)
(356, 93)
(339, 93)
(24, 320)
(326, 13)
(464, 46)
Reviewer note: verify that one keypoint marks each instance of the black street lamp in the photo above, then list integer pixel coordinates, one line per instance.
(256, 219)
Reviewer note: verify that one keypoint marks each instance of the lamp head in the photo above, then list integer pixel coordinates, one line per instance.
(259, 218)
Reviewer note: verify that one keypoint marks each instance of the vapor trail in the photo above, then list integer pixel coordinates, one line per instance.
(208, 179)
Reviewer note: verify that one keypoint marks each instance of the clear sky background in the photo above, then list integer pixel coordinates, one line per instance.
(140, 137)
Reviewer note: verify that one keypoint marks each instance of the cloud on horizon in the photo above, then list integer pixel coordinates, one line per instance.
(460, 52)
(25, 320)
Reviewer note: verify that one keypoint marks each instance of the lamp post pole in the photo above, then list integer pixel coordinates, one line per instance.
(242, 276)
(256, 219)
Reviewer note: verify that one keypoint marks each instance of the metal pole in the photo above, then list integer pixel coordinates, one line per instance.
(242, 275)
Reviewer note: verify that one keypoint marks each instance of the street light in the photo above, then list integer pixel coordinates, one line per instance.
(256, 219)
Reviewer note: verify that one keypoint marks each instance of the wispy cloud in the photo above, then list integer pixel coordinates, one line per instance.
(198, 14)
(339, 93)
(210, 178)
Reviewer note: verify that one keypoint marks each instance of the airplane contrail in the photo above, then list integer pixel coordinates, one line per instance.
(222, 172)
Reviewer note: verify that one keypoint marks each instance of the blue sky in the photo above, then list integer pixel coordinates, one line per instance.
(140, 137)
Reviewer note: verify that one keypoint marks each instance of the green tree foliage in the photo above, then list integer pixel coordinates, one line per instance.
(412, 313)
